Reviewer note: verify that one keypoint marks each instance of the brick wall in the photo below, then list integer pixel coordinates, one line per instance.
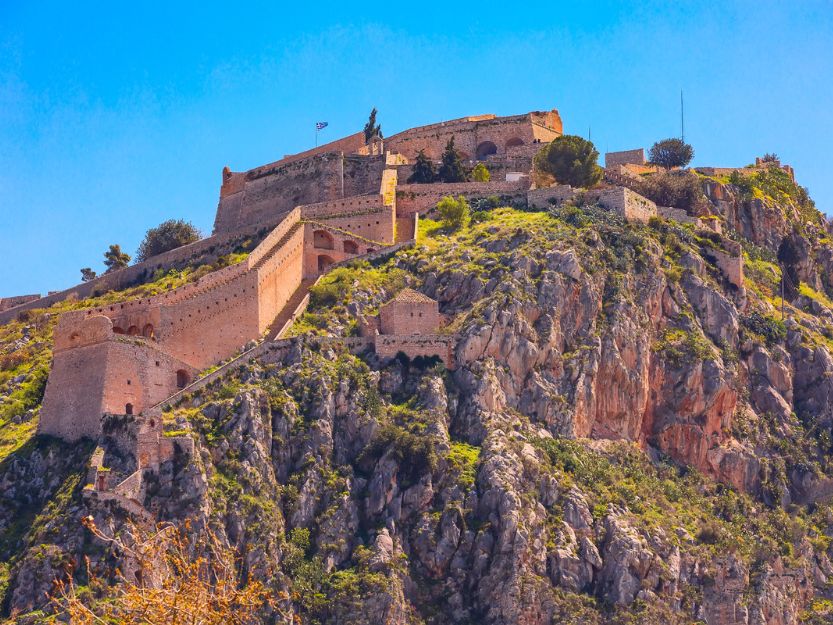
(201, 252)
(635, 157)
(423, 198)
(105, 376)
(549, 196)
(397, 317)
(271, 190)
(628, 204)
(17, 300)
(388, 346)
(476, 137)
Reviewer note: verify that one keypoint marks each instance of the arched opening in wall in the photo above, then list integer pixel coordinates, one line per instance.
(324, 262)
(322, 240)
(514, 142)
(128, 409)
(118, 330)
(133, 331)
(351, 247)
(485, 149)
(182, 378)
(370, 250)
(147, 331)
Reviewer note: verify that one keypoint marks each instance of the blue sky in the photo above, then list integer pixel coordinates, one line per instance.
(115, 118)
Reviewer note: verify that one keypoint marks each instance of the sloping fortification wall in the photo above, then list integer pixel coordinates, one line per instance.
(478, 137)
(365, 215)
(423, 198)
(17, 300)
(261, 194)
(201, 252)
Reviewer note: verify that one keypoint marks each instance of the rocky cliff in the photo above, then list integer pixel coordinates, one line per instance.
(627, 437)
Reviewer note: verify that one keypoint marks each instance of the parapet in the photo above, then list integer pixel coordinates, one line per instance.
(10, 302)
(628, 204)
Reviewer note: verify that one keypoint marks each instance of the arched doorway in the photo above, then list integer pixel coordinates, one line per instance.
(351, 247)
(322, 240)
(485, 149)
(117, 330)
(133, 331)
(324, 262)
(128, 409)
(182, 378)
(514, 142)
(147, 331)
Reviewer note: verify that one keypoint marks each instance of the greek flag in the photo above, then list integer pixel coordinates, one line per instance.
(320, 125)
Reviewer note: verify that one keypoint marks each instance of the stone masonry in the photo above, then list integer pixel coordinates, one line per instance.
(320, 208)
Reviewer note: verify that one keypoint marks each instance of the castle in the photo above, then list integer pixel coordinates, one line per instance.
(309, 212)
(337, 202)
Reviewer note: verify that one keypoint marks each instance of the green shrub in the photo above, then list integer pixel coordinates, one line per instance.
(480, 173)
(454, 213)
(772, 330)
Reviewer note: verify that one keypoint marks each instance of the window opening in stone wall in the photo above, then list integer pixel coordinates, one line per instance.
(128, 409)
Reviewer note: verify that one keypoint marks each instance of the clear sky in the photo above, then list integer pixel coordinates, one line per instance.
(116, 116)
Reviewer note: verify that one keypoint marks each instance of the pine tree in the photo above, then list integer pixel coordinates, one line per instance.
(371, 128)
(114, 258)
(423, 170)
(451, 169)
(87, 274)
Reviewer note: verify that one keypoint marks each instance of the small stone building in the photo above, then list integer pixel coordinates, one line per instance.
(410, 312)
(409, 324)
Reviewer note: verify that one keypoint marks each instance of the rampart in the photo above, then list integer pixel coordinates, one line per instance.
(628, 204)
(549, 196)
(478, 137)
(268, 191)
(17, 300)
(331, 205)
(629, 157)
(423, 198)
(415, 345)
(204, 251)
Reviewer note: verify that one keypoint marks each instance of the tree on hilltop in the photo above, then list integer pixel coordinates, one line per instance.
(87, 274)
(423, 170)
(451, 168)
(770, 157)
(114, 258)
(167, 236)
(571, 160)
(670, 153)
(371, 128)
(454, 213)
(480, 173)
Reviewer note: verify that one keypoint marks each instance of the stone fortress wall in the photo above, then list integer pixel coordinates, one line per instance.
(320, 208)
(17, 300)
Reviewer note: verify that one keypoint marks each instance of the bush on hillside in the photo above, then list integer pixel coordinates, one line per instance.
(570, 160)
(480, 173)
(678, 189)
(167, 236)
(454, 213)
(670, 153)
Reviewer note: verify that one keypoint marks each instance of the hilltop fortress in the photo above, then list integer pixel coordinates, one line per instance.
(313, 210)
